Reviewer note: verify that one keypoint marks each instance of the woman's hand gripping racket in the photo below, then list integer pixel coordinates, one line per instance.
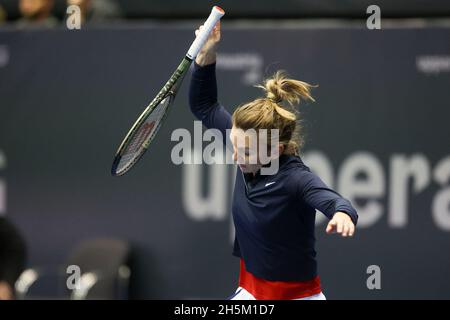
(147, 125)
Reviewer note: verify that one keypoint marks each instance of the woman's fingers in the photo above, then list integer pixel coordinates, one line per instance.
(331, 226)
(215, 32)
(352, 230)
(198, 30)
(340, 226)
(216, 29)
(344, 227)
(346, 230)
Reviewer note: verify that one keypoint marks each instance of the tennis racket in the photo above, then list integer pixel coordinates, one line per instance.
(147, 125)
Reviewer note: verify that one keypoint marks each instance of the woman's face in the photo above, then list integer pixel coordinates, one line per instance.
(247, 149)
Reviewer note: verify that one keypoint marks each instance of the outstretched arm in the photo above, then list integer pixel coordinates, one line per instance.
(343, 217)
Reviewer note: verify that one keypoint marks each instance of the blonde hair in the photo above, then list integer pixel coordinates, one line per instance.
(277, 110)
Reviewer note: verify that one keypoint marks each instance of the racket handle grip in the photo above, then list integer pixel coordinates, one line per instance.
(216, 14)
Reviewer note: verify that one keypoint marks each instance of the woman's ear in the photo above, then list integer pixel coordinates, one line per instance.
(280, 149)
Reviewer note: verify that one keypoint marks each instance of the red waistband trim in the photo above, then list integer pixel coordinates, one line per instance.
(263, 289)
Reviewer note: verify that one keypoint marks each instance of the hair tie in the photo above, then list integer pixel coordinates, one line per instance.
(273, 98)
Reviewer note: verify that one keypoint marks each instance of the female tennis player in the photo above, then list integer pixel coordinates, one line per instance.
(274, 215)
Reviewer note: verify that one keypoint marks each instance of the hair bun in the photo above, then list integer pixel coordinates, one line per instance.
(279, 88)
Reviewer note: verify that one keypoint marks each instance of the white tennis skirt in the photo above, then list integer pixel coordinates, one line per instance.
(242, 294)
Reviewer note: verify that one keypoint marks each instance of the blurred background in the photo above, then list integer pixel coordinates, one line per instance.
(378, 134)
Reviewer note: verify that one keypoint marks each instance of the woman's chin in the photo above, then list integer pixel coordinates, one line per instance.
(245, 168)
(248, 168)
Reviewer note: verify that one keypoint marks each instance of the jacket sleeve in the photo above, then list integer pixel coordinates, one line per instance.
(319, 196)
(203, 100)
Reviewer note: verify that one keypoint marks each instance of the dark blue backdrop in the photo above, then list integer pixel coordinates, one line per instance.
(378, 133)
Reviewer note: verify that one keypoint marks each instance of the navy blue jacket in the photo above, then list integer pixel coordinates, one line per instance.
(274, 215)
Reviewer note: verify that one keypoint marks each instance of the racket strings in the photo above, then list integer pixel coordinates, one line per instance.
(141, 137)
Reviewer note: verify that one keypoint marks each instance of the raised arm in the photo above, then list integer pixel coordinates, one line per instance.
(203, 87)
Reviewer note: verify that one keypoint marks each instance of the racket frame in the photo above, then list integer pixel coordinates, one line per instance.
(169, 90)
